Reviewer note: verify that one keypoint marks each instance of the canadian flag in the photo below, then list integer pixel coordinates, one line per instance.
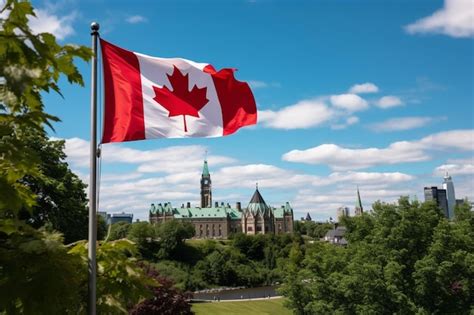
(149, 97)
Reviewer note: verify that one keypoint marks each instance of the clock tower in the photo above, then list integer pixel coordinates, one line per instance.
(206, 193)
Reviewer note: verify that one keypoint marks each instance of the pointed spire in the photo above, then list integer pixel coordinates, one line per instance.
(257, 197)
(358, 208)
(205, 169)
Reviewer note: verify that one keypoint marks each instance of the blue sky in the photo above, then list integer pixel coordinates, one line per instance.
(377, 94)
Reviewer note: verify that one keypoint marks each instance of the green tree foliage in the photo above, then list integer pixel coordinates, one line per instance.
(101, 228)
(30, 64)
(144, 235)
(118, 230)
(161, 303)
(60, 194)
(121, 282)
(316, 230)
(40, 275)
(171, 236)
(37, 274)
(402, 259)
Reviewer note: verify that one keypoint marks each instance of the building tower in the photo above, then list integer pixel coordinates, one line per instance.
(206, 192)
(358, 208)
(342, 212)
(439, 197)
(258, 217)
(450, 197)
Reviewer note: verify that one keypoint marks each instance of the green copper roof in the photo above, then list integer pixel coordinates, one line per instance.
(257, 205)
(205, 213)
(279, 213)
(205, 169)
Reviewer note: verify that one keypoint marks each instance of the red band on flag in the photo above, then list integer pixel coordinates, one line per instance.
(236, 99)
(123, 117)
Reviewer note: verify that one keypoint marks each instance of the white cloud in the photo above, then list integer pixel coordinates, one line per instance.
(389, 101)
(369, 178)
(304, 114)
(455, 19)
(404, 123)
(339, 158)
(48, 22)
(135, 19)
(466, 168)
(166, 160)
(256, 84)
(454, 139)
(349, 102)
(351, 120)
(364, 88)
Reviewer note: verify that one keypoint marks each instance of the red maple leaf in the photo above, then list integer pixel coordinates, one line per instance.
(181, 101)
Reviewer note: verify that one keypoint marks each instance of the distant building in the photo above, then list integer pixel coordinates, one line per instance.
(450, 196)
(342, 212)
(221, 220)
(308, 217)
(358, 208)
(437, 195)
(119, 217)
(336, 236)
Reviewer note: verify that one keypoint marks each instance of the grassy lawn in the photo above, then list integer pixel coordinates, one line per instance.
(263, 307)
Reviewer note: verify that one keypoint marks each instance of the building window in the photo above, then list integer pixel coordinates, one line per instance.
(259, 228)
(249, 229)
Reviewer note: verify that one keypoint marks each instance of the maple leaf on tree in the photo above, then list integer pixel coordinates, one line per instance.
(181, 101)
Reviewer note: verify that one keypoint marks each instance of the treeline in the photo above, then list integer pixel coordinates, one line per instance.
(404, 258)
(197, 264)
(315, 230)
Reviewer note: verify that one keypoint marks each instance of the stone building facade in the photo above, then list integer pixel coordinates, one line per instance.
(220, 220)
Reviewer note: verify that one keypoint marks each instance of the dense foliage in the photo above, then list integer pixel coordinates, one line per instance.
(198, 264)
(160, 302)
(402, 259)
(60, 199)
(30, 64)
(316, 230)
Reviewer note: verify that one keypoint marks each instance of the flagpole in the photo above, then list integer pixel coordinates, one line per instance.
(93, 179)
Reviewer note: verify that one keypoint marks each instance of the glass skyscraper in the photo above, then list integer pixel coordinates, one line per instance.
(450, 197)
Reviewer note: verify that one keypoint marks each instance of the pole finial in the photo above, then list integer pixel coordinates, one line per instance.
(95, 27)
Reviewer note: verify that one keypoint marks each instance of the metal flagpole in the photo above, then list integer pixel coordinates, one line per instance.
(93, 178)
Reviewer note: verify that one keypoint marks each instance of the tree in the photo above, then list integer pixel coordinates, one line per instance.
(37, 274)
(144, 235)
(166, 300)
(30, 64)
(119, 230)
(405, 259)
(171, 236)
(60, 195)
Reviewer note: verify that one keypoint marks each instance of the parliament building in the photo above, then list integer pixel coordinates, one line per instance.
(220, 220)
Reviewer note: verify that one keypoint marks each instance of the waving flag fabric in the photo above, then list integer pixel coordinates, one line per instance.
(149, 97)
